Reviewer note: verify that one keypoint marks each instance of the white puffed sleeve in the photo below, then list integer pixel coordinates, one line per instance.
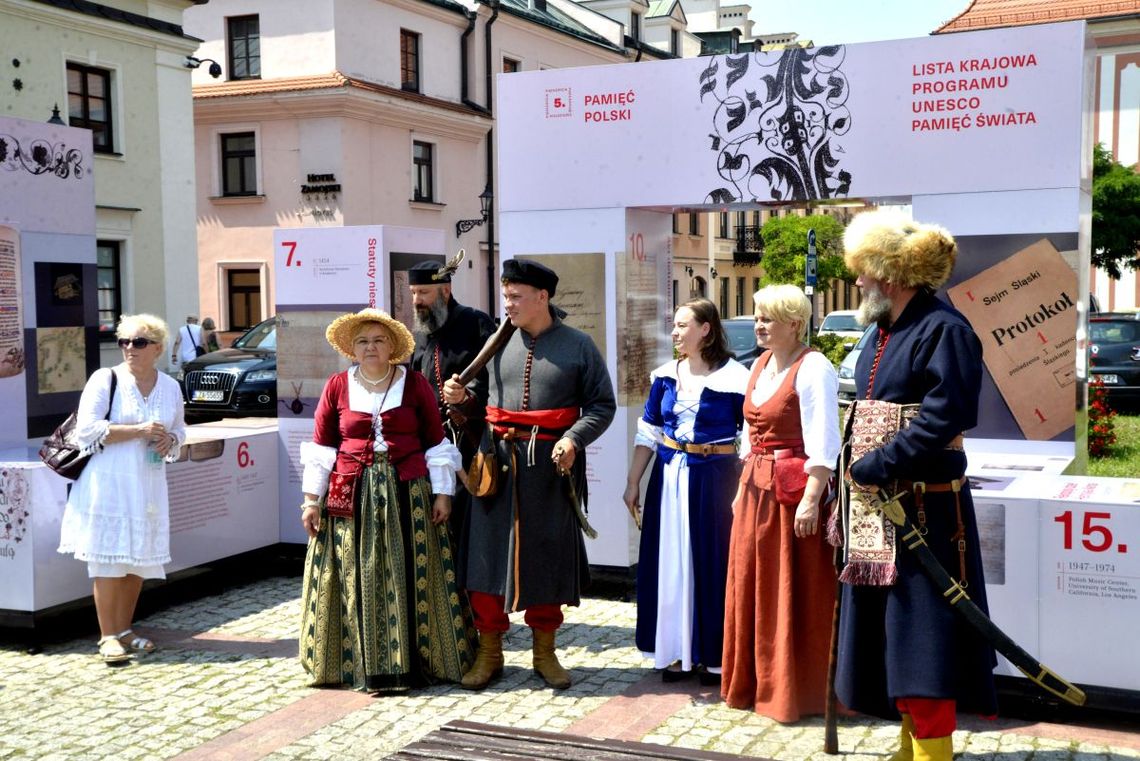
(443, 460)
(318, 461)
(91, 423)
(648, 435)
(818, 387)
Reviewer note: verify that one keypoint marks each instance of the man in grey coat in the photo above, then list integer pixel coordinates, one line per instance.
(550, 396)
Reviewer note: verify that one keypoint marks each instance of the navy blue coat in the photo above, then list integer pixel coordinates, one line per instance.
(906, 640)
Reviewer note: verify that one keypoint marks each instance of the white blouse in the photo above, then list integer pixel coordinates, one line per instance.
(443, 459)
(817, 385)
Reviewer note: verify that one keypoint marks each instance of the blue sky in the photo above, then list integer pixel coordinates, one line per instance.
(829, 22)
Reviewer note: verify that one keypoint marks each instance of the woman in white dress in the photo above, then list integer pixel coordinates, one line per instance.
(117, 517)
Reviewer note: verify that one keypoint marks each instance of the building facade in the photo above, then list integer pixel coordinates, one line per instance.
(1115, 29)
(118, 68)
(359, 112)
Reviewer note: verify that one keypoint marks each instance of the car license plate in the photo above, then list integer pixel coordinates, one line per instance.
(208, 396)
(1108, 379)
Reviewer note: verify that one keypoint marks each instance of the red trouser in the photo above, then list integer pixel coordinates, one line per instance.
(933, 717)
(490, 617)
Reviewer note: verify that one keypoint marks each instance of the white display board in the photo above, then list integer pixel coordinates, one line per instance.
(957, 113)
(1066, 551)
(47, 233)
(322, 273)
(223, 497)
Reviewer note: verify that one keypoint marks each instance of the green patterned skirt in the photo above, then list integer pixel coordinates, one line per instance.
(380, 606)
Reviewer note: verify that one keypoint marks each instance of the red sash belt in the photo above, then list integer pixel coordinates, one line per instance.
(558, 419)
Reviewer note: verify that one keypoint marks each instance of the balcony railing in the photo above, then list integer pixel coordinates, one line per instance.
(749, 246)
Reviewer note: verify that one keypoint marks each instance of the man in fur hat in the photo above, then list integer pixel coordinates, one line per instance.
(902, 649)
(550, 397)
(448, 336)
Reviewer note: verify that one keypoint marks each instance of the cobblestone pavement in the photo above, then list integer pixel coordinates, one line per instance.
(225, 683)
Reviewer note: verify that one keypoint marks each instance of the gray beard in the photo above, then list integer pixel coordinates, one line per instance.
(430, 318)
(876, 308)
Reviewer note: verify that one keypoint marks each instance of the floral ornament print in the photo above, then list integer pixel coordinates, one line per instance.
(776, 124)
(14, 513)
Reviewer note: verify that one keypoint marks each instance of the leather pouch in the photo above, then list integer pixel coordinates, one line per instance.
(483, 472)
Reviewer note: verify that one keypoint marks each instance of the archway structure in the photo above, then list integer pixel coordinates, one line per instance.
(987, 133)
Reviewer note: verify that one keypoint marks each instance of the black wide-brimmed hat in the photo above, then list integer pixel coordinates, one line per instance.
(530, 272)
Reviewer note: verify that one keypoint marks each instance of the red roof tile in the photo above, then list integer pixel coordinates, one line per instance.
(988, 14)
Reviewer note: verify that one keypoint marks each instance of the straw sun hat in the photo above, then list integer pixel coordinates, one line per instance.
(343, 329)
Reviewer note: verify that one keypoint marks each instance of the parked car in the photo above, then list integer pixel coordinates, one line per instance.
(741, 334)
(240, 381)
(841, 322)
(847, 370)
(1114, 356)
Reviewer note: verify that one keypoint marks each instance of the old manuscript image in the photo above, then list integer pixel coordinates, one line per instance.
(639, 306)
(305, 360)
(581, 292)
(11, 305)
(1024, 310)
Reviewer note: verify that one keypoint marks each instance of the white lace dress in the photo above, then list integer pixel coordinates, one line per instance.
(117, 515)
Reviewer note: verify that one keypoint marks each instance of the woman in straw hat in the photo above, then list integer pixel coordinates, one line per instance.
(380, 609)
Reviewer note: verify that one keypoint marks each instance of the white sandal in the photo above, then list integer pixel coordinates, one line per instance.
(111, 650)
(136, 644)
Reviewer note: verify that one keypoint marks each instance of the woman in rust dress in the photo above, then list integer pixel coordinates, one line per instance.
(781, 581)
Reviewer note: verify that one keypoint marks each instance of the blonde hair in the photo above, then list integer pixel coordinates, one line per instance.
(784, 303)
(150, 326)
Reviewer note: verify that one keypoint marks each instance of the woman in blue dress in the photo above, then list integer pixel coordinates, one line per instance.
(692, 421)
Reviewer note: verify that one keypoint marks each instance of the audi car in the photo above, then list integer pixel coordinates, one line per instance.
(1114, 356)
(240, 381)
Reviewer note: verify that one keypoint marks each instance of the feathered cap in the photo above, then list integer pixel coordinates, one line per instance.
(431, 273)
(342, 330)
(888, 245)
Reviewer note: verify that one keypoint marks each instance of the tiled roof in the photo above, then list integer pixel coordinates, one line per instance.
(987, 14)
(333, 81)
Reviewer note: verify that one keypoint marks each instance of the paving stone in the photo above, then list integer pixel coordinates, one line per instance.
(65, 704)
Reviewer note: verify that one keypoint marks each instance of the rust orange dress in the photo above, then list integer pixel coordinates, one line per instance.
(781, 590)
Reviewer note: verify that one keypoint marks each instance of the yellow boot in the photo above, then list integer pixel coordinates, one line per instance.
(933, 748)
(488, 662)
(906, 733)
(546, 661)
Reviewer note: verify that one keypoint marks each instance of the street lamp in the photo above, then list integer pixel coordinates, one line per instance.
(55, 118)
(486, 200)
(712, 272)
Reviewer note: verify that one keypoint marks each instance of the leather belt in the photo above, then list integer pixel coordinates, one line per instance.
(916, 487)
(957, 444)
(701, 449)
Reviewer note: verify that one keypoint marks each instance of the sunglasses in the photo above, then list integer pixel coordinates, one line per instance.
(138, 343)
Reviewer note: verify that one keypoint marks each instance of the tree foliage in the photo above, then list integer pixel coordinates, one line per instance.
(1115, 214)
(785, 250)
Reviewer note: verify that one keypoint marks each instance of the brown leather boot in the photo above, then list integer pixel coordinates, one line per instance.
(546, 662)
(488, 662)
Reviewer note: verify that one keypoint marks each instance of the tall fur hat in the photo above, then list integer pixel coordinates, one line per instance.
(887, 245)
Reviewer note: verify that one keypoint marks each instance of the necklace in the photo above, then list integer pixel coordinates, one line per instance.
(360, 374)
